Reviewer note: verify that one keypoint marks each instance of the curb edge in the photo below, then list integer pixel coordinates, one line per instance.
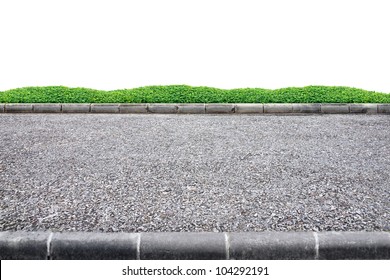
(200, 245)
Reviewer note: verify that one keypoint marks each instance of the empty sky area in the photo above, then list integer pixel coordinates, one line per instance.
(113, 44)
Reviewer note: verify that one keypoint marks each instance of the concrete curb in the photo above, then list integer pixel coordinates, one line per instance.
(104, 108)
(335, 108)
(203, 245)
(191, 108)
(47, 108)
(18, 108)
(307, 108)
(383, 108)
(278, 108)
(197, 108)
(162, 108)
(76, 108)
(133, 108)
(213, 108)
(247, 108)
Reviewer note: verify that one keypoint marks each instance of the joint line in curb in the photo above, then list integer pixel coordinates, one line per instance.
(317, 246)
(139, 247)
(48, 245)
(227, 246)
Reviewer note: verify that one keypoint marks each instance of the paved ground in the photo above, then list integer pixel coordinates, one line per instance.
(194, 172)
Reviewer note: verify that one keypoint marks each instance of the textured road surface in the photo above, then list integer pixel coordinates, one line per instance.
(138, 173)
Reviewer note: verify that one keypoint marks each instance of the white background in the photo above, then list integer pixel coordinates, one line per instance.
(278, 270)
(112, 44)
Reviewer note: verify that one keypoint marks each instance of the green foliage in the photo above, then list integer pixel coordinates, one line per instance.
(188, 94)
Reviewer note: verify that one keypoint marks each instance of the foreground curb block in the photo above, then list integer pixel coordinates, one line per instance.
(183, 246)
(197, 246)
(249, 108)
(133, 108)
(307, 108)
(76, 108)
(219, 108)
(278, 108)
(363, 108)
(384, 108)
(104, 108)
(46, 108)
(271, 246)
(354, 245)
(195, 108)
(18, 108)
(162, 108)
(23, 245)
(94, 246)
(335, 108)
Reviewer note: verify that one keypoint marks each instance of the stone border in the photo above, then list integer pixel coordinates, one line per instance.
(198, 108)
(202, 245)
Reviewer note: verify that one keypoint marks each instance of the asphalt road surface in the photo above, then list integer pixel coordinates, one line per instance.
(138, 173)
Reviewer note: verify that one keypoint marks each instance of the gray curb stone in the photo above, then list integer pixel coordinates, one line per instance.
(249, 108)
(278, 108)
(18, 108)
(335, 108)
(354, 245)
(46, 108)
(184, 246)
(197, 108)
(80, 246)
(219, 108)
(191, 108)
(384, 108)
(202, 245)
(133, 108)
(105, 108)
(76, 108)
(271, 246)
(23, 245)
(363, 108)
(307, 108)
(162, 108)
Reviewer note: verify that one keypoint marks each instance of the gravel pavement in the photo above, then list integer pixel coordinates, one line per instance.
(138, 173)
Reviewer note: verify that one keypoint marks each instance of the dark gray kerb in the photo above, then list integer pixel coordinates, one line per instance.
(183, 246)
(162, 108)
(195, 108)
(354, 245)
(135, 108)
(24, 245)
(18, 108)
(105, 108)
(384, 108)
(272, 246)
(219, 108)
(46, 108)
(94, 246)
(247, 108)
(363, 108)
(335, 108)
(307, 108)
(76, 108)
(2, 106)
(278, 108)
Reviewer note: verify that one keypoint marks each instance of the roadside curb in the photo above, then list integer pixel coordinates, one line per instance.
(202, 245)
(197, 108)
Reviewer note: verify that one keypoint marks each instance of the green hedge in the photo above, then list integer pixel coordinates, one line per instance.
(188, 94)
